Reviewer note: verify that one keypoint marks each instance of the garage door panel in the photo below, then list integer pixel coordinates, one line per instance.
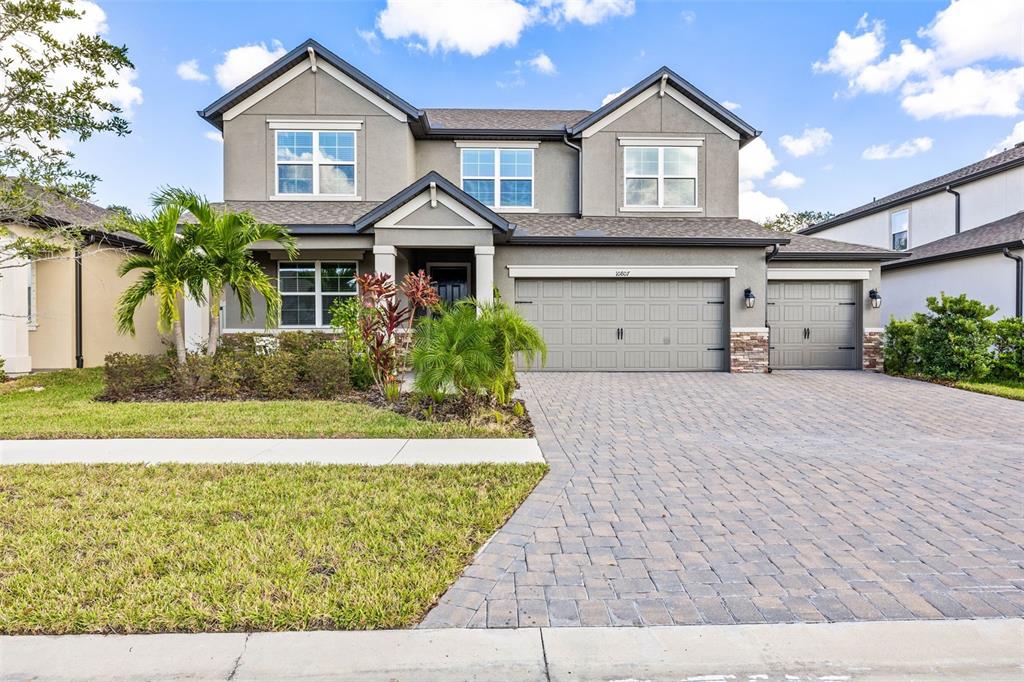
(659, 312)
(713, 360)
(713, 289)
(687, 288)
(580, 288)
(660, 336)
(634, 337)
(606, 359)
(607, 336)
(635, 289)
(634, 359)
(687, 336)
(552, 312)
(813, 325)
(687, 312)
(712, 337)
(553, 336)
(713, 313)
(526, 288)
(659, 359)
(659, 289)
(581, 359)
(581, 336)
(606, 288)
(553, 288)
(821, 313)
(606, 312)
(688, 359)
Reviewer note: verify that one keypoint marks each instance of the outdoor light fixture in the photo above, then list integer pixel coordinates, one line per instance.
(876, 298)
(748, 298)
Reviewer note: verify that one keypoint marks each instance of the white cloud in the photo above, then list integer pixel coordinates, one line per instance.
(475, 28)
(189, 71)
(371, 39)
(880, 152)
(786, 180)
(245, 61)
(214, 136)
(731, 106)
(612, 95)
(688, 16)
(811, 141)
(755, 205)
(961, 72)
(543, 64)
(1016, 135)
(756, 160)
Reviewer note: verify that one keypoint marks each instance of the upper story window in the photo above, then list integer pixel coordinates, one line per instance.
(899, 230)
(309, 289)
(499, 178)
(316, 163)
(660, 177)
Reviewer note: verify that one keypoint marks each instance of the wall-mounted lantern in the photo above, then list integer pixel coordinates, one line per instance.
(876, 298)
(748, 298)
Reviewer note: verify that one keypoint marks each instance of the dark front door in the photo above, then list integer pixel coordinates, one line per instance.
(451, 281)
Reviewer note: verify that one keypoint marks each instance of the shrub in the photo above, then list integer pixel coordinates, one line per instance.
(326, 371)
(1008, 346)
(455, 352)
(952, 340)
(3, 374)
(345, 321)
(128, 375)
(273, 376)
(899, 347)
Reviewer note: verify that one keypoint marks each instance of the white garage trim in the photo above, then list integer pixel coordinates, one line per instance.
(819, 273)
(750, 330)
(621, 271)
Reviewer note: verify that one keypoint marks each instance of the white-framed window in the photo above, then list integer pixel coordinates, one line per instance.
(899, 230)
(309, 288)
(660, 177)
(499, 178)
(315, 162)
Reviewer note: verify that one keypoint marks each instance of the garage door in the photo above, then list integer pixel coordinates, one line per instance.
(814, 325)
(628, 324)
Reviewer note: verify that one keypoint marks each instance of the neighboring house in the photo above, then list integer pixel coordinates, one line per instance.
(965, 230)
(58, 312)
(614, 231)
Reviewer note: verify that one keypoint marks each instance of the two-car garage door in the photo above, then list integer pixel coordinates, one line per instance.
(628, 324)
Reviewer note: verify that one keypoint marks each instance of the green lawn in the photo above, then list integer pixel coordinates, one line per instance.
(1002, 388)
(65, 408)
(206, 548)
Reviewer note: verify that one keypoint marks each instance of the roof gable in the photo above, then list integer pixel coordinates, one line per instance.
(665, 81)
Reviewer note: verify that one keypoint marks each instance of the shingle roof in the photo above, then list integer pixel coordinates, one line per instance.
(504, 119)
(803, 247)
(294, 213)
(989, 238)
(548, 227)
(998, 162)
(61, 209)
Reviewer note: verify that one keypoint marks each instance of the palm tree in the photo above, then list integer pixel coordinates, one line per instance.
(225, 239)
(171, 270)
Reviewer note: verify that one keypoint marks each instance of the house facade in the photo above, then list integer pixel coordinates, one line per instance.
(963, 231)
(614, 231)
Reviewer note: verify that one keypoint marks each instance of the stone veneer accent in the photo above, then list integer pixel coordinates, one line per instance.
(874, 355)
(748, 351)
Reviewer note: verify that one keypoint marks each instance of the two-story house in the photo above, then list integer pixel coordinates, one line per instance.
(614, 231)
(964, 231)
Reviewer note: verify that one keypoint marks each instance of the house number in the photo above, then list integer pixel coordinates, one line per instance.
(622, 273)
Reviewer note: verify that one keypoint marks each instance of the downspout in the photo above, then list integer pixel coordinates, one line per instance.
(767, 258)
(579, 173)
(956, 209)
(79, 352)
(1020, 281)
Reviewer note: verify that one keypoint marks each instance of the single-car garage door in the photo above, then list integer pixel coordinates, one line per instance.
(813, 325)
(628, 324)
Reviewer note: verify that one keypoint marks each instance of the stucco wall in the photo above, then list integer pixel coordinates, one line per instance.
(989, 278)
(749, 261)
(717, 160)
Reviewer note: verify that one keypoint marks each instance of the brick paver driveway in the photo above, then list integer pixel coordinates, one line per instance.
(718, 498)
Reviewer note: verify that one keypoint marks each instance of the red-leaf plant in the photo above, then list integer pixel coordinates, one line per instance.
(384, 316)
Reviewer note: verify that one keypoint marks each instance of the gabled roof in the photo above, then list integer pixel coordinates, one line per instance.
(997, 163)
(744, 129)
(213, 112)
(397, 201)
(992, 237)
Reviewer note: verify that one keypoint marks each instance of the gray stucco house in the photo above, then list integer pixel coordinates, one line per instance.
(614, 231)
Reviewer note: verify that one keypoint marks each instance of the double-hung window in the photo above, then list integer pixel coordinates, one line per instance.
(899, 230)
(660, 177)
(499, 178)
(309, 289)
(316, 162)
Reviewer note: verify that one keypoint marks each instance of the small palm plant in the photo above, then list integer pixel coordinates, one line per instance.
(170, 271)
(454, 352)
(224, 239)
(511, 335)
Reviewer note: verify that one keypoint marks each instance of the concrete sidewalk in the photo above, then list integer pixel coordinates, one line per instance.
(855, 652)
(373, 451)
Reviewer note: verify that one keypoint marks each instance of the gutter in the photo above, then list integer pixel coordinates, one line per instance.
(79, 351)
(956, 209)
(641, 241)
(767, 258)
(579, 173)
(1019, 292)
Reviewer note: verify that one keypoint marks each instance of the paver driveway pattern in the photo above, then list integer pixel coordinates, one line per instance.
(724, 498)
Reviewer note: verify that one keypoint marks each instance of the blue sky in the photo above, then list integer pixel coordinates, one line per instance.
(833, 77)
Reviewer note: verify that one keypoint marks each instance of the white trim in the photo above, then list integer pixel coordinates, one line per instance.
(385, 250)
(819, 273)
(700, 111)
(363, 92)
(32, 319)
(316, 162)
(749, 330)
(910, 218)
(317, 294)
(519, 209)
(313, 197)
(267, 90)
(488, 144)
(497, 177)
(874, 330)
(422, 199)
(661, 209)
(483, 250)
(630, 141)
(621, 271)
(620, 111)
(306, 124)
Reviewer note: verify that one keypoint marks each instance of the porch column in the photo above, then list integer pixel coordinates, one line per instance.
(384, 259)
(484, 273)
(15, 284)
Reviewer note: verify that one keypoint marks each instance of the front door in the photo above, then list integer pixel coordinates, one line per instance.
(451, 281)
